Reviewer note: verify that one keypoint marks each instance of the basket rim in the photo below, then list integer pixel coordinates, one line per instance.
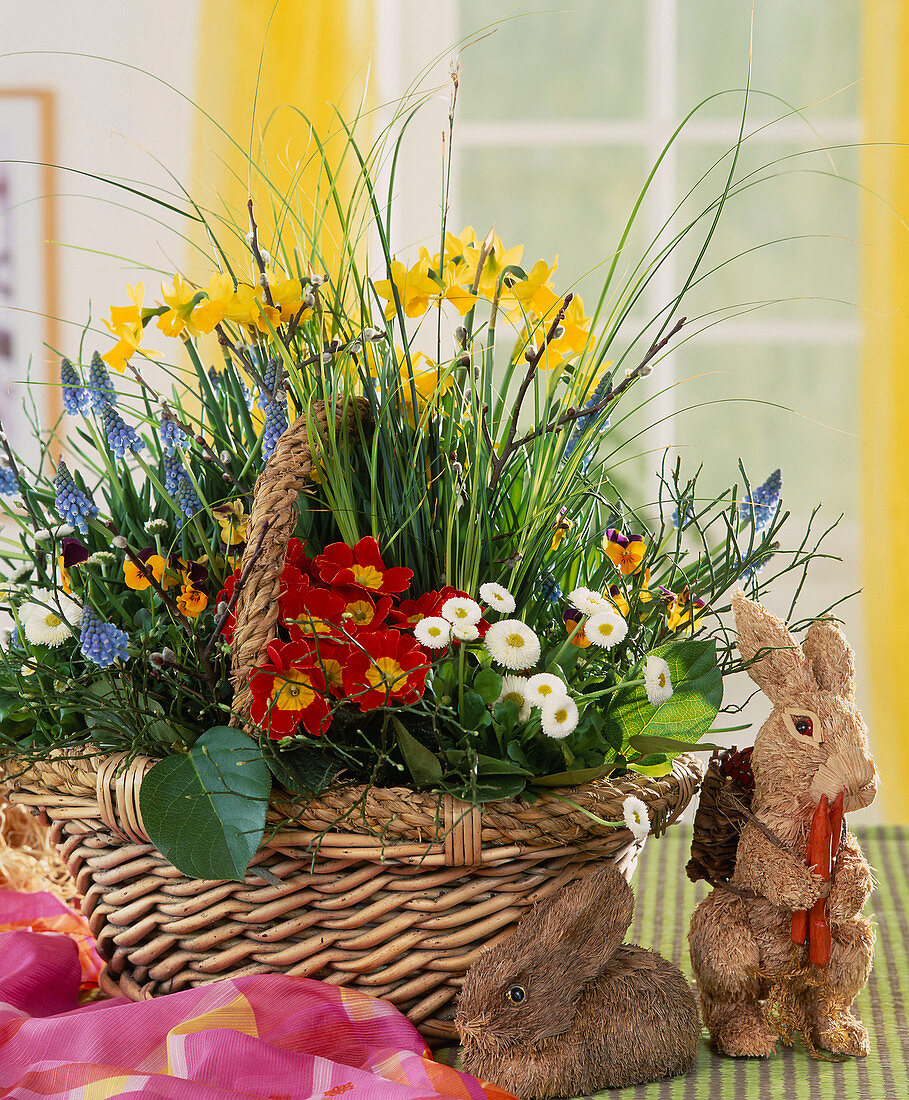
(104, 787)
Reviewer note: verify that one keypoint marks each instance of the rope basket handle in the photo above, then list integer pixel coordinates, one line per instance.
(272, 522)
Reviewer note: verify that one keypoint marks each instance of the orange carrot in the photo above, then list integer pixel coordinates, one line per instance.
(821, 856)
(819, 825)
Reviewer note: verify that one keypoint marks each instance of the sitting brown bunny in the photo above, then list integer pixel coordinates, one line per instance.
(561, 1008)
(745, 949)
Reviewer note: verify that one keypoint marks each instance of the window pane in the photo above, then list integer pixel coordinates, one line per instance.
(582, 59)
(820, 57)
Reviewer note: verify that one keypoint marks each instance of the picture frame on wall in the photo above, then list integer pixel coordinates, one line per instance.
(28, 277)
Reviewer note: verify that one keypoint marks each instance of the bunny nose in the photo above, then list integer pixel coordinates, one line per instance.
(851, 771)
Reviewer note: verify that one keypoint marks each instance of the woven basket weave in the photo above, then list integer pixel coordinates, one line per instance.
(390, 891)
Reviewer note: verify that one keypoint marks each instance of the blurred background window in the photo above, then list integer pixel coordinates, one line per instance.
(562, 110)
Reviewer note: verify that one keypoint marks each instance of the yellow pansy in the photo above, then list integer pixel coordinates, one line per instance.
(233, 521)
(191, 601)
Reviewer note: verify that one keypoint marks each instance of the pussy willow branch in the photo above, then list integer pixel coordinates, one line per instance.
(509, 446)
(611, 394)
(245, 361)
(257, 255)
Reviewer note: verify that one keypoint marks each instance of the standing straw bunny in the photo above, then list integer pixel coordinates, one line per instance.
(561, 1008)
(748, 937)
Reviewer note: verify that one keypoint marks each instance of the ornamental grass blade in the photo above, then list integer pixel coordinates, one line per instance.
(205, 810)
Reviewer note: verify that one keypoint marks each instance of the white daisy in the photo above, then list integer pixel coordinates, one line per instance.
(515, 688)
(559, 717)
(657, 680)
(46, 534)
(606, 629)
(434, 632)
(513, 644)
(634, 811)
(461, 609)
(465, 632)
(588, 601)
(546, 688)
(498, 597)
(48, 622)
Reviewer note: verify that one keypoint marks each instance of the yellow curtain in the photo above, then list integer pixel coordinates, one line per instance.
(885, 413)
(282, 59)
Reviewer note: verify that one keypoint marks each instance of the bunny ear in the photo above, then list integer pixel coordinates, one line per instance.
(583, 925)
(783, 668)
(830, 657)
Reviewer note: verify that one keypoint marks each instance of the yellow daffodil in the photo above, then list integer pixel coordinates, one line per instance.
(209, 314)
(426, 381)
(465, 247)
(289, 299)
(126, 324)
(233, 521)
(533, 295)
(178, 321)
(576, 330)
(415, 288)
(456, 281)
(495, 263)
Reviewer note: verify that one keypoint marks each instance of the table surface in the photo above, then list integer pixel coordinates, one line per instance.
(665, 899)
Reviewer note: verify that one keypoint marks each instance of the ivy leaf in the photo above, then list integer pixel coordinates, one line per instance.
(205, 810)
(697, 692)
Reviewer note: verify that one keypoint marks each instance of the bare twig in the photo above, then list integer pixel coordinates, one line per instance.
(257, 255)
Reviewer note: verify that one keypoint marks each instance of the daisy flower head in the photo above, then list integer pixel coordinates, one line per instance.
(559, 717)
(606, 629)
(465, 632)
(657, 681)
(634, 811)
(513, 644)
(515, 689)
(461, 609)
(498, 597)
(47, 619)
(434, 632)
(545, 688)
(588, 601)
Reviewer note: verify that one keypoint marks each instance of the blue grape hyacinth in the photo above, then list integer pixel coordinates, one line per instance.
(186, 497)
(584, 422)
(73, 506)
(76, 399)
(9, 486)
(269, 378)
(103, 643)
(549, 588)
(760, 507)
(101, 389)
(275, 423)
(172, 435)
(120, 435)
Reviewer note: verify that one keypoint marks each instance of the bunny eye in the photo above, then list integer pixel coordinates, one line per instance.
(804, 725)
(516, 994)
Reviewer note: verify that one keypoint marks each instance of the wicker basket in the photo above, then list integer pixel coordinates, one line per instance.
(398, 902)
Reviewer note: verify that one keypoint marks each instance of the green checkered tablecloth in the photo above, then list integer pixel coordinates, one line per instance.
(665, 899)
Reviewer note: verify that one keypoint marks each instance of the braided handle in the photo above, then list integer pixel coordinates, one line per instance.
(271, 524)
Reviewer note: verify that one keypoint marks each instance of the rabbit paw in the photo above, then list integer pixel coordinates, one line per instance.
(742, 1032)
(842, 1034)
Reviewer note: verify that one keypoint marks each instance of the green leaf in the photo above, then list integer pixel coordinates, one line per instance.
(300, 770)
(205, 810)
(648, 744)
(488, 685)
(422, 763)
(473, 710)
(577, 775)
(697, 692)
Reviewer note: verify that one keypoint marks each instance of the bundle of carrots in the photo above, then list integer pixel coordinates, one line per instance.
(812, 925)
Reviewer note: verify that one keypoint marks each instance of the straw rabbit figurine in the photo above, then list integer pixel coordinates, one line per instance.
(812, 747)
(561, 1008)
